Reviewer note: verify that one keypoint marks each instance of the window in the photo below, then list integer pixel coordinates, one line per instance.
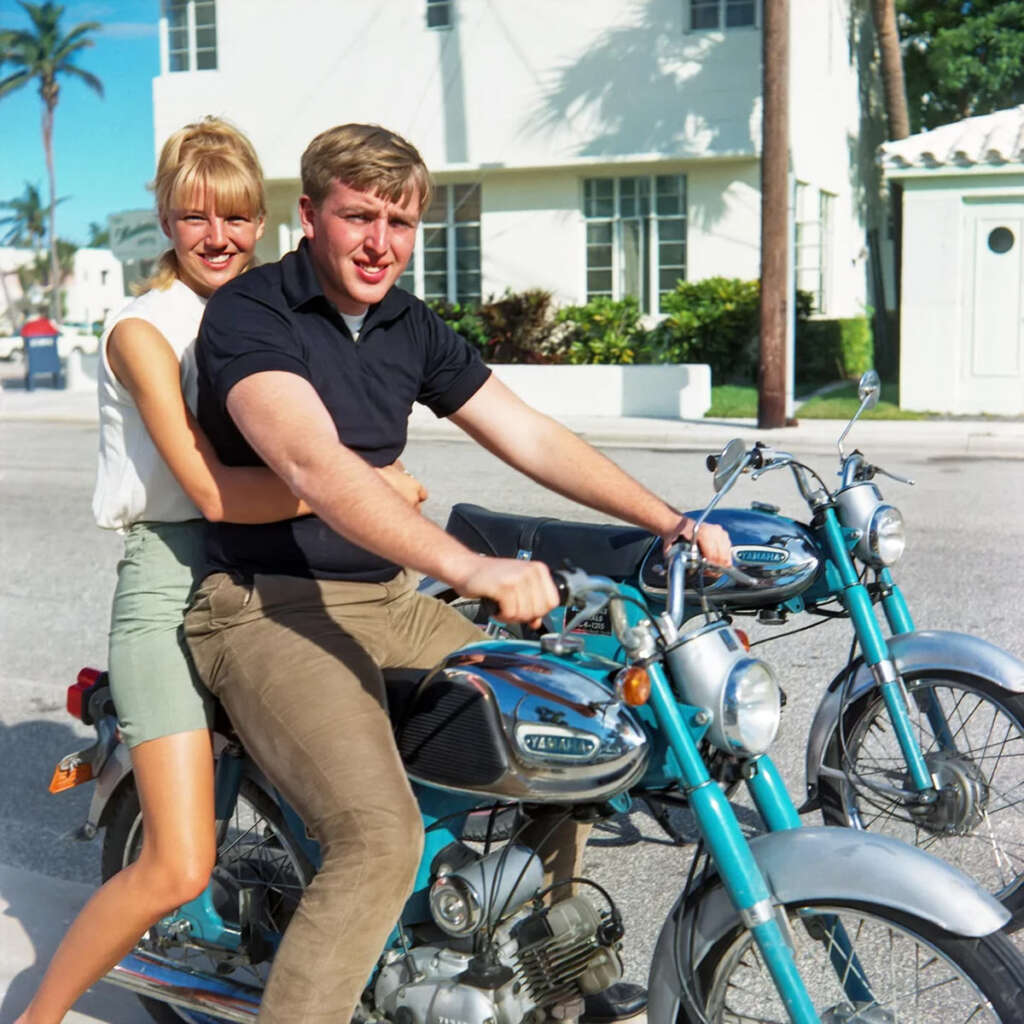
(813, 234)
(191, 35)
(446, 263)
(636, 236)
(717, 14)
(439, 13)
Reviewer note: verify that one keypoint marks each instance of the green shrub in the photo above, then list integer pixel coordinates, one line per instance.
(521, 328)
(828, 350)
(714, 321)
(604, 331)
(464, 320)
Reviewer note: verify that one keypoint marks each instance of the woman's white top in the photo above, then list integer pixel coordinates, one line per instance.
(133, 482)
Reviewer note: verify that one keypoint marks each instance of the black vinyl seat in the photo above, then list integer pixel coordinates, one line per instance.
(606, 549)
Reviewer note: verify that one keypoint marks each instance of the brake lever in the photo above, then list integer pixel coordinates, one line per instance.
(894, 476)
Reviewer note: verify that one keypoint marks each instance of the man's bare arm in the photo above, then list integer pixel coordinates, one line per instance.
(283, 418)
(547, 452)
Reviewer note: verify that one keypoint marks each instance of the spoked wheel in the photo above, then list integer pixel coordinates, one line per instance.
(972, 737)
(257, 861)
(866, 964)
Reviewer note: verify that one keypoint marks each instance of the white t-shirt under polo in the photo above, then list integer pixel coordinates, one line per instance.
(133, 483)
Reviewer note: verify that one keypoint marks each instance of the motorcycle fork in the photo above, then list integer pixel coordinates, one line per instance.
(728, 847)
(773, 803)
(857, 601)
(898, 616)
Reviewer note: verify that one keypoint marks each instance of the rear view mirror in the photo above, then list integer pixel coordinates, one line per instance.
(728, 459)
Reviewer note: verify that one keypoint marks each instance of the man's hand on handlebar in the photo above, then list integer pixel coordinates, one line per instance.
(712, 541)
(522, 590)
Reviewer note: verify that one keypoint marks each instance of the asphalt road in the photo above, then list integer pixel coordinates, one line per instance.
(962, 571)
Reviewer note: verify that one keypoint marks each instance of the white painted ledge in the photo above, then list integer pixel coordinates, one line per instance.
(667, 391)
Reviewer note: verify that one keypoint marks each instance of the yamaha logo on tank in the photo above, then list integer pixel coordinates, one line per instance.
(551, 741)
(760, 556)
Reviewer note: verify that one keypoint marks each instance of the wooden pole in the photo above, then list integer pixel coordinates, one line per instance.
(771, 391)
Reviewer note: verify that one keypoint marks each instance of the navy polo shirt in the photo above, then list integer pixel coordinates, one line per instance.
(276, 317)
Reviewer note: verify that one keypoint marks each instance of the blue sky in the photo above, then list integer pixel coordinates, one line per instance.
(103, 148)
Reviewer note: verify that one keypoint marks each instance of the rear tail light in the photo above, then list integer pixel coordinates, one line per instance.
(78, 693)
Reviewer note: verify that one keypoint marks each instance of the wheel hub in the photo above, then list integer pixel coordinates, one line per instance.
(962, 795)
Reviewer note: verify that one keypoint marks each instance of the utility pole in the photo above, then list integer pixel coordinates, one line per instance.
(771, 388)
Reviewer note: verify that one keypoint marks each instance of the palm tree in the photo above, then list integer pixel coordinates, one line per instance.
(42, 53)
(883, 12)
(26, 222)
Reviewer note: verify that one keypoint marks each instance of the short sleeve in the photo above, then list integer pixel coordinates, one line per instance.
(241, 335)
(453, 370)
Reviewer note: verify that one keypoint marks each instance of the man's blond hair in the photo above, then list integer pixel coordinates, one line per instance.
(366, 157)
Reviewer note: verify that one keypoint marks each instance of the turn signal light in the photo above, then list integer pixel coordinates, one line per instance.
(744, 639)
(69, 773)
(633, 685)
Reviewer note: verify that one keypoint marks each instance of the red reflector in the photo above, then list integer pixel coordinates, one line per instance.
(744, 639)
(78, 692)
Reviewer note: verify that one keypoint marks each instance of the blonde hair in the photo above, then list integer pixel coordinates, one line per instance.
(367, 157)
(209, 158)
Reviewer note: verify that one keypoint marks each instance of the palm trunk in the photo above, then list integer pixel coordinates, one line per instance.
(884, 14)
(54, 267)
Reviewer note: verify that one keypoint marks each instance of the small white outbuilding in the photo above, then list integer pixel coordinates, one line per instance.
(962, 295)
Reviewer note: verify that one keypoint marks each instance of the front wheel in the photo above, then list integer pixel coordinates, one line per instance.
(859, 962)
(972, 736)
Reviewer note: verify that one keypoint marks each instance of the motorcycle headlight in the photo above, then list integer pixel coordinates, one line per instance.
(751, 707)
(886, 535)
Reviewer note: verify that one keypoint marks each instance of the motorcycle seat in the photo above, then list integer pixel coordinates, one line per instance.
(606, 549)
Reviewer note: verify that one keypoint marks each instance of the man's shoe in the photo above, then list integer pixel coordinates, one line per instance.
(618, 1002)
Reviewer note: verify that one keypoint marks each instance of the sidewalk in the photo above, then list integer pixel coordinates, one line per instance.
(949, 437)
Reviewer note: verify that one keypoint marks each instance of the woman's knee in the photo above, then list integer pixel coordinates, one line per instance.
(173, 878)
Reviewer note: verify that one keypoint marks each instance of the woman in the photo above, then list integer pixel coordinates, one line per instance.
(158, 479)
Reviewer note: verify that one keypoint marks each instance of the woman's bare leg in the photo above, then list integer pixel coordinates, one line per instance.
(174, 776)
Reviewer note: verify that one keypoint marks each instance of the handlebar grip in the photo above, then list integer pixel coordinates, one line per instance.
(488, 609)
(561, 585)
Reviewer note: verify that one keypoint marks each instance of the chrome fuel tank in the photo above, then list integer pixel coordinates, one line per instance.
(780, 553)
(506, 721)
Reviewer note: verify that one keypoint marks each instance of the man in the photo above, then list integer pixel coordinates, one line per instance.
(311, 365)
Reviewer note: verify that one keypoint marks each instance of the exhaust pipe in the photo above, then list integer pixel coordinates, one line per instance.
(146, 974)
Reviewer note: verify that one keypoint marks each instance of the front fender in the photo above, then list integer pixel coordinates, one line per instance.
(822, 865)
(927, 650)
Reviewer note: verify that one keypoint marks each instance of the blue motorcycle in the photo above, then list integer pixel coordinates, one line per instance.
(920, 735)
(804, 925)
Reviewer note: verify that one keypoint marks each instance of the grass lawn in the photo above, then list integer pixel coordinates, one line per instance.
(739, 401)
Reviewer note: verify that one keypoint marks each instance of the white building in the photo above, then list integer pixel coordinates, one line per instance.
(95, 287)
(589, 147)
(962, 308)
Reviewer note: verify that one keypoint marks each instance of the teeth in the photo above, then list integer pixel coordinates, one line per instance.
(223, 258)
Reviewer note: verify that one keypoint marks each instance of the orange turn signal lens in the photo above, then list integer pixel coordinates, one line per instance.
(70, 773)
(633, 685)
(744, 639)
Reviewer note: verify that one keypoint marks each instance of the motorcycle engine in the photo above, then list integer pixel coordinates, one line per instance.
(537, 961)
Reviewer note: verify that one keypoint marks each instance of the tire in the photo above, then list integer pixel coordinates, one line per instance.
(978, 823)
(256, 852)
(913, 971)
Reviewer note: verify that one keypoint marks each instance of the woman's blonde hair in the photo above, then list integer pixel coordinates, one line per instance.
(212, 159)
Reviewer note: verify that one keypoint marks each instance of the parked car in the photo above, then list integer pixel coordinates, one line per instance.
(73, 337)
(10, 345)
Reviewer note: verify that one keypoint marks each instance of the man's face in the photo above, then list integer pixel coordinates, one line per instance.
(360, 243)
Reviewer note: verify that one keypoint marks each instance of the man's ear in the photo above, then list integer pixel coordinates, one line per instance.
(307, 216)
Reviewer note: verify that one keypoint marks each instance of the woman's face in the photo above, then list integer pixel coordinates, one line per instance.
(212, 247)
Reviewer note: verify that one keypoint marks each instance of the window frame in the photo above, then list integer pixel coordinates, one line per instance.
(721, 21)
(191, 50)
(650, 235)
(448, 9)
(820, 221)
(415, 274)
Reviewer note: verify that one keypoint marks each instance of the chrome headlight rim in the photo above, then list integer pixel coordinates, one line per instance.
(449, 887)
(886, 536)
(750, 690)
